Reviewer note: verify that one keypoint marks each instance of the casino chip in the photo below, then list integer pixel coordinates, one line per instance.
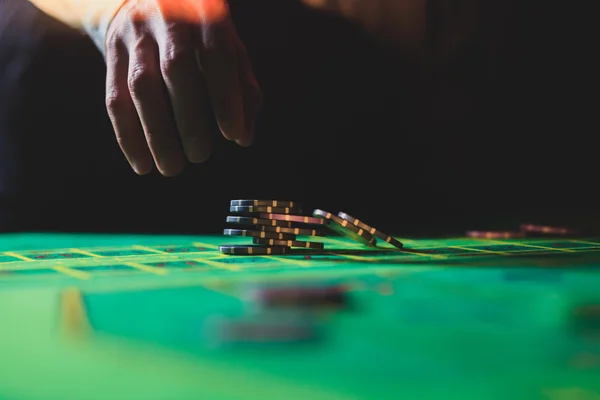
(267, 203)
(272, 230)
(275, 226)
(346, 228)
(289, 243)
(259, 234)
(386, 238)
(294, 231)
(257, 221)
(302, 219)
(250, 250)
(263, 209)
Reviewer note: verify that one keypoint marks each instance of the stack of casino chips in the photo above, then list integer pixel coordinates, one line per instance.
(274, 226)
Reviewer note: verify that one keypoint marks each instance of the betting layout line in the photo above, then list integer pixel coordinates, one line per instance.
(533, 245)
(585, 242)
(149, 249)
(556, 249)
(29, 255)
(207, 245)
(373, 258)
(85, 253)
(147, 268)
(18, 256)
(295, 261)
(227, 266)
(212, 260)
(503, 253)
(106, 260)
(72, 272)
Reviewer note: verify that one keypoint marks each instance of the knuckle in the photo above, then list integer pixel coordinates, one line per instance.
(139, 79)
(215, 45)
(138, 21)
(219, 39)
(141, 46)
(176, 47)
(173, 60)
(177, 30)
(114, 101)
(113, 42)
(214, 10)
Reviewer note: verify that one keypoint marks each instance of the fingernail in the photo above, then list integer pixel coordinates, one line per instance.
(197, 150)
(171, 163)
(134, 166)
(139, 169)
(231, 129)
(245, 142)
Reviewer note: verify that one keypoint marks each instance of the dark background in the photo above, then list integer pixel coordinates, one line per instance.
(348, 125)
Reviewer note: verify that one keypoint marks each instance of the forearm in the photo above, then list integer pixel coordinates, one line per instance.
(91, 16)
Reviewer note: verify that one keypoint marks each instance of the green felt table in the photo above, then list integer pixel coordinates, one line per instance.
(124, 317)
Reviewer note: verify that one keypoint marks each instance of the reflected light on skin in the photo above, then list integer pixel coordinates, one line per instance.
(401, 21)
(76, 13)
(195, 11)
(212, 10)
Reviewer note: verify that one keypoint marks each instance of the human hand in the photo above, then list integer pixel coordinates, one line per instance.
(170, 64)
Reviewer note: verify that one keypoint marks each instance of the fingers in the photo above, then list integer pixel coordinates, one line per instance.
(148, 93)
(168, 74)
(188, 93)
(219, 64)
(123, 114)
(251, 94)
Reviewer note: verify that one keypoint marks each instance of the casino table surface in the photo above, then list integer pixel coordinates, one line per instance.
(85, 316)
